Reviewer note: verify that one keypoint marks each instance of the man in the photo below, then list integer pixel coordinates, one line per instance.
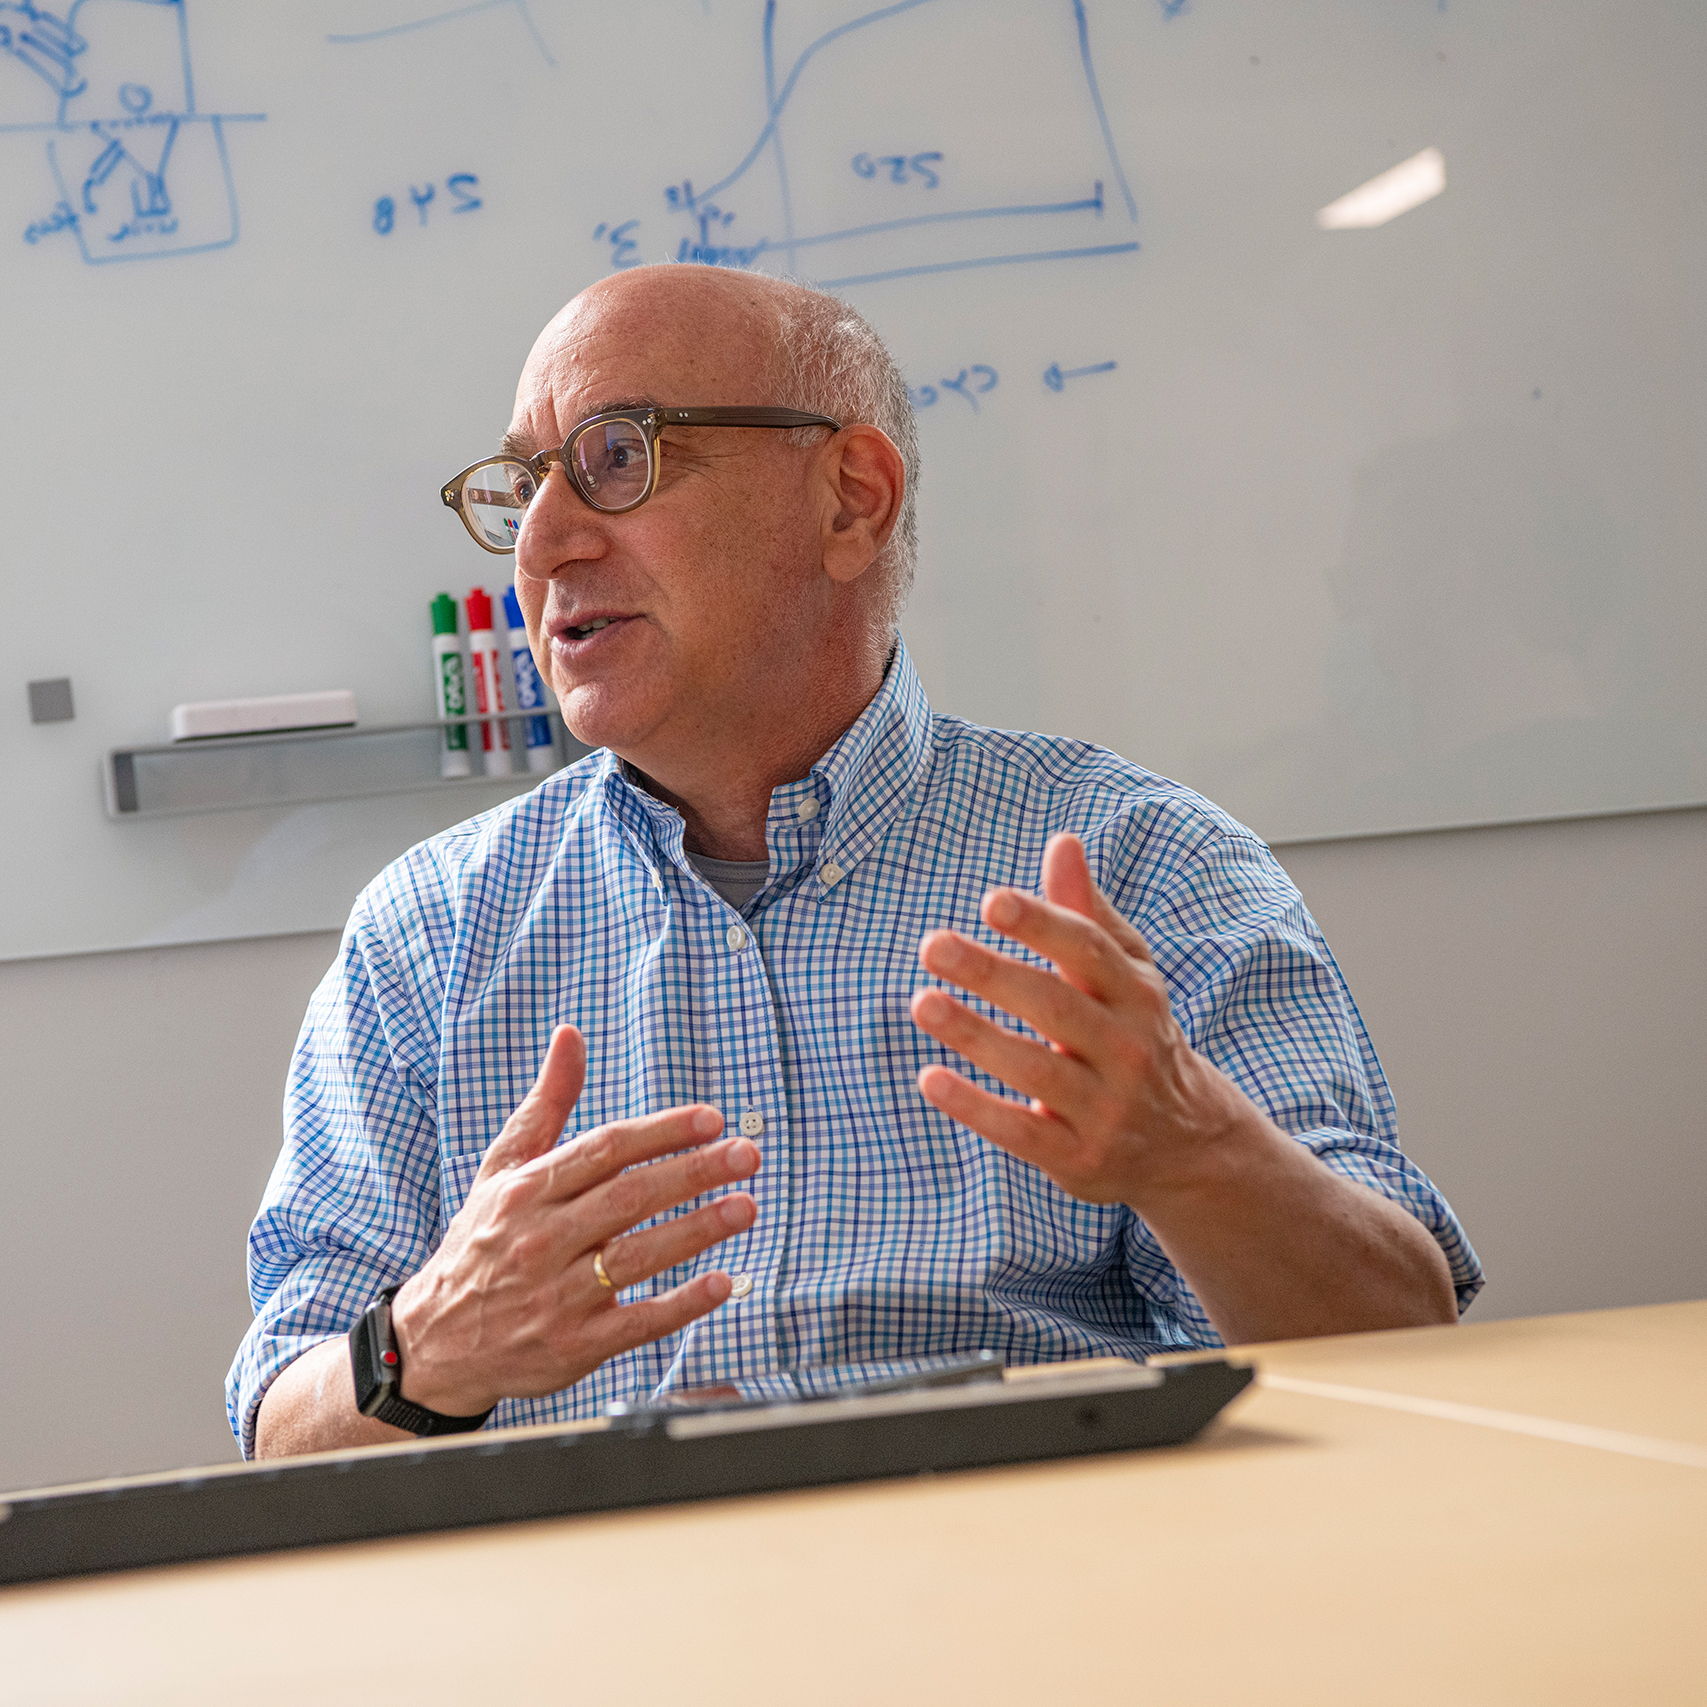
(717, 922)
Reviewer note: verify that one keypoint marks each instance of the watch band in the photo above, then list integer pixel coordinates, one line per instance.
(397, 1411)
(377, 1366)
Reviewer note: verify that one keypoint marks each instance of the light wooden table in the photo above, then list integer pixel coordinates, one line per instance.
(1314, 1547)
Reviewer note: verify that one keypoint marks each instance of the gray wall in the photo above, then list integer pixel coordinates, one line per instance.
(1537, 994)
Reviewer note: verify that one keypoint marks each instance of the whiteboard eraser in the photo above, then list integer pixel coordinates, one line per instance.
(278, 714)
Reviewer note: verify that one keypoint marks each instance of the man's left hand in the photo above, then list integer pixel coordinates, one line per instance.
(1121, 1105)
(1124, 1110)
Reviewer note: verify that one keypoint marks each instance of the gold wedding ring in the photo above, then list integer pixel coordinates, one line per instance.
(599, 1274)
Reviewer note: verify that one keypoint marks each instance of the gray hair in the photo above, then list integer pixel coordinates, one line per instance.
(833, 363)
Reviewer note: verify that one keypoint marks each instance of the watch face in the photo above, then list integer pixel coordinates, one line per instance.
(373, 1358)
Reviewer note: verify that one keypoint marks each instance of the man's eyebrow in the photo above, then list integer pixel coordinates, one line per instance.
(518, 444)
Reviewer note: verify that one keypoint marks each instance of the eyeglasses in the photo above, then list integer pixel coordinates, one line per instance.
(611, 459)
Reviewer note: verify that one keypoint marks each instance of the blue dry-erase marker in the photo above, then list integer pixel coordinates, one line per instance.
(530, 690)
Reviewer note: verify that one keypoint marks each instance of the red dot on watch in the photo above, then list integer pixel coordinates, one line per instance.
(388, 1357)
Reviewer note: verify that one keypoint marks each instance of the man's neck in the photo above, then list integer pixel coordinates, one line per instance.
(723, 792)
(733, 825)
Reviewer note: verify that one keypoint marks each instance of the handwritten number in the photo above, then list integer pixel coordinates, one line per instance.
(971, 383)
(460, 186)
(624, 250)
(899, 165)
(958, 384)
(924, 171)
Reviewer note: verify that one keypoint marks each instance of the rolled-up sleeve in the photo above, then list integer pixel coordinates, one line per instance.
(353, 1203)
(1258, 993)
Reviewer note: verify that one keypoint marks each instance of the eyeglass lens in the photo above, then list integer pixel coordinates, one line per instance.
(494, 498)
(612, 464)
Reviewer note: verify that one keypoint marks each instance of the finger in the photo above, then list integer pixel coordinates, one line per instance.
(597, 1216)
(639, 1256)
(1068, 883)
(1031, 1134)
(1083, 952)
(650, 1319)
(603, 1153)
(541, 1115)
(1030, 1068)
(1065, 1012)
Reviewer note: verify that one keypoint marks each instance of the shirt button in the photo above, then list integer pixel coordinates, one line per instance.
(807, 810)
(740, 1285)
(830, 875)
(735, 937)
(752, 1123)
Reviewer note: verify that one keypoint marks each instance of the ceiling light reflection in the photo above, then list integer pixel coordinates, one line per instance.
(1397, 190)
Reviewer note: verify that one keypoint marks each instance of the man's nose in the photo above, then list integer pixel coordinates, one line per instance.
(559, 530)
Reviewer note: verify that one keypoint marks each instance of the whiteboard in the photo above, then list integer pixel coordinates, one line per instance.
(1354, 531)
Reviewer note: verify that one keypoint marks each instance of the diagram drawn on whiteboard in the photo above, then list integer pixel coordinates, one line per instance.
(139, 172)
(830, 190)
(431, 20)
(888, 145)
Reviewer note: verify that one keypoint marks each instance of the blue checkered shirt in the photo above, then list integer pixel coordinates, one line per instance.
(886, 1232)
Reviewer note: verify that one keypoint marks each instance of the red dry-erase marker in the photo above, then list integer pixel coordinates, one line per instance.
(489, 697)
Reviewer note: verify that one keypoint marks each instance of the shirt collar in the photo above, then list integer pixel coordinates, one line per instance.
(859, 785)
(875, 767)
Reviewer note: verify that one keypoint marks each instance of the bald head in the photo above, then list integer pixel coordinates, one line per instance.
(712, 329)
(740, 337)
(723, 632)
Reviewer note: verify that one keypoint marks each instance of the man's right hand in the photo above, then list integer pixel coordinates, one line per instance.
(510, 1305)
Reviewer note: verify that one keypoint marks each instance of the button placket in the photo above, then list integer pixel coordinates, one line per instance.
(750, 1078)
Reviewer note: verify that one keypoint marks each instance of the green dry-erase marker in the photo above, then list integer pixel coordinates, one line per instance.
(451, 686)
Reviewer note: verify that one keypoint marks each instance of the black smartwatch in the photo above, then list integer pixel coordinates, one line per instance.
(378, 1368)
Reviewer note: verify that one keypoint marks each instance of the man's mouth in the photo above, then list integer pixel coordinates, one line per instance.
(576, 636)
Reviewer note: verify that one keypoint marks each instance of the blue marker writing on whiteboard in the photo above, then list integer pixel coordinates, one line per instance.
(530, 690)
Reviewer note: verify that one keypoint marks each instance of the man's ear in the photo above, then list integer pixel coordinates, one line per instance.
(866, 480)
